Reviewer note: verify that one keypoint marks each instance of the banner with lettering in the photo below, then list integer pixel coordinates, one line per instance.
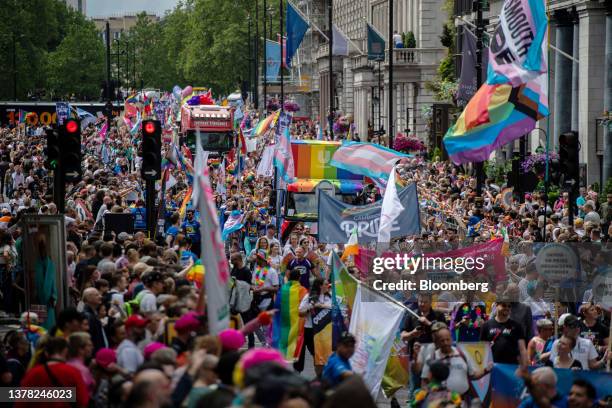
(338, 219)
(508, 390)
(322, 333)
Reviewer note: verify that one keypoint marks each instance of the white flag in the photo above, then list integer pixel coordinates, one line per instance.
(340, 45)
(264, 168)
(374, 322)
(201, 160)
(221, 189)
(390, 209)
(215, 264)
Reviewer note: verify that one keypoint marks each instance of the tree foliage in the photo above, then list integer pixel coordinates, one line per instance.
(35, 32)
(77, 65)
(59, 53)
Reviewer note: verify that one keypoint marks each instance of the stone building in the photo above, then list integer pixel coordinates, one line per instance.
(355, 79)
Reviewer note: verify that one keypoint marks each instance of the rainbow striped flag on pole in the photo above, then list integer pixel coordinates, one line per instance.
(288, 326)
(265, 124)
(515, 95)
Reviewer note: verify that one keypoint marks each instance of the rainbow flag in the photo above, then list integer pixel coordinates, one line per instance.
(22, 116)
(183, 207)
(195, 274)
(515, 95)
(288, 326)
(266, 124)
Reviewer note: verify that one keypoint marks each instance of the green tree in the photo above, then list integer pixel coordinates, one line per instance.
(77, 65)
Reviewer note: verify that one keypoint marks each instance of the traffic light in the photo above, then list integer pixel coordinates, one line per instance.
(151, 150)
(70, 152)
(53, 149)
(569, 163)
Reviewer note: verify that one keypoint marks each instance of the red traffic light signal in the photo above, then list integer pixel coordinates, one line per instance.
(151, 150)
(149, 127)
(72, 126)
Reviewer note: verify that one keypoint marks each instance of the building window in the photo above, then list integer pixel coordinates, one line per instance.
(80, 6)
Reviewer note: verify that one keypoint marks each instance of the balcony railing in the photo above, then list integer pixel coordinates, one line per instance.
(323, 51)
(404, 56)
(417, 56)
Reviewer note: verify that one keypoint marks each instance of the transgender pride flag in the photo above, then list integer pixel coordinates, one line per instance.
(368, 159)
(283, 157)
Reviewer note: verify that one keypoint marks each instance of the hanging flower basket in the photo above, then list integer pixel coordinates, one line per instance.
(537, 162)
(273, 104)
(292, 106)
(404, 143)
(341, 125)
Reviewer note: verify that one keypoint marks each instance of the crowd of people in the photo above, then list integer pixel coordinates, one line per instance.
(132, 334)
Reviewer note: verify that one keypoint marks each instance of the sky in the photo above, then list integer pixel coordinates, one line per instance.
(104, 8)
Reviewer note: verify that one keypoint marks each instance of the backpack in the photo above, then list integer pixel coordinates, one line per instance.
(133, 306)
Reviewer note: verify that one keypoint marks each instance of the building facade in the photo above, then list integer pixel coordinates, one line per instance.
(118, 25)
(361, 86)
(78, 5)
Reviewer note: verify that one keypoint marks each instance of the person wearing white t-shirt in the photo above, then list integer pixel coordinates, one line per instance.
(460, 372)
(584, 351)
(154, 285)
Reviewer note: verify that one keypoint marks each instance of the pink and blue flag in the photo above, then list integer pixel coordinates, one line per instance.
(515, 95)
(283, 155)
(368, 159)
(232, 224)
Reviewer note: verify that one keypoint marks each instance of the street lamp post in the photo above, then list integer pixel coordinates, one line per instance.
(250, 85)
(380, 126)
(14, 67)
(265, 58)
(127, 63)
(115, 40)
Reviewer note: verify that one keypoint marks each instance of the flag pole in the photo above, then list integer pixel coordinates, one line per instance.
(546, 174)
(331, 71)
(479, 166)
(391, 46)
(283, 58)
(265, 59)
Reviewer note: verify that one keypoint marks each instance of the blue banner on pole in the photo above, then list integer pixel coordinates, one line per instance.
(296, 29)
(273, 60)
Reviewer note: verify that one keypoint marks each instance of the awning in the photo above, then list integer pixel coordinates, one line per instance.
(342, 186)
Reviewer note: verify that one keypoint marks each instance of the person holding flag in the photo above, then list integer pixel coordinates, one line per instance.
(191, 228)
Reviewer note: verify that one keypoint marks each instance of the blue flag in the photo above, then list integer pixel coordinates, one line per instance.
(273, 60)
(85, 117)
(296, 29)
(376, 44)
